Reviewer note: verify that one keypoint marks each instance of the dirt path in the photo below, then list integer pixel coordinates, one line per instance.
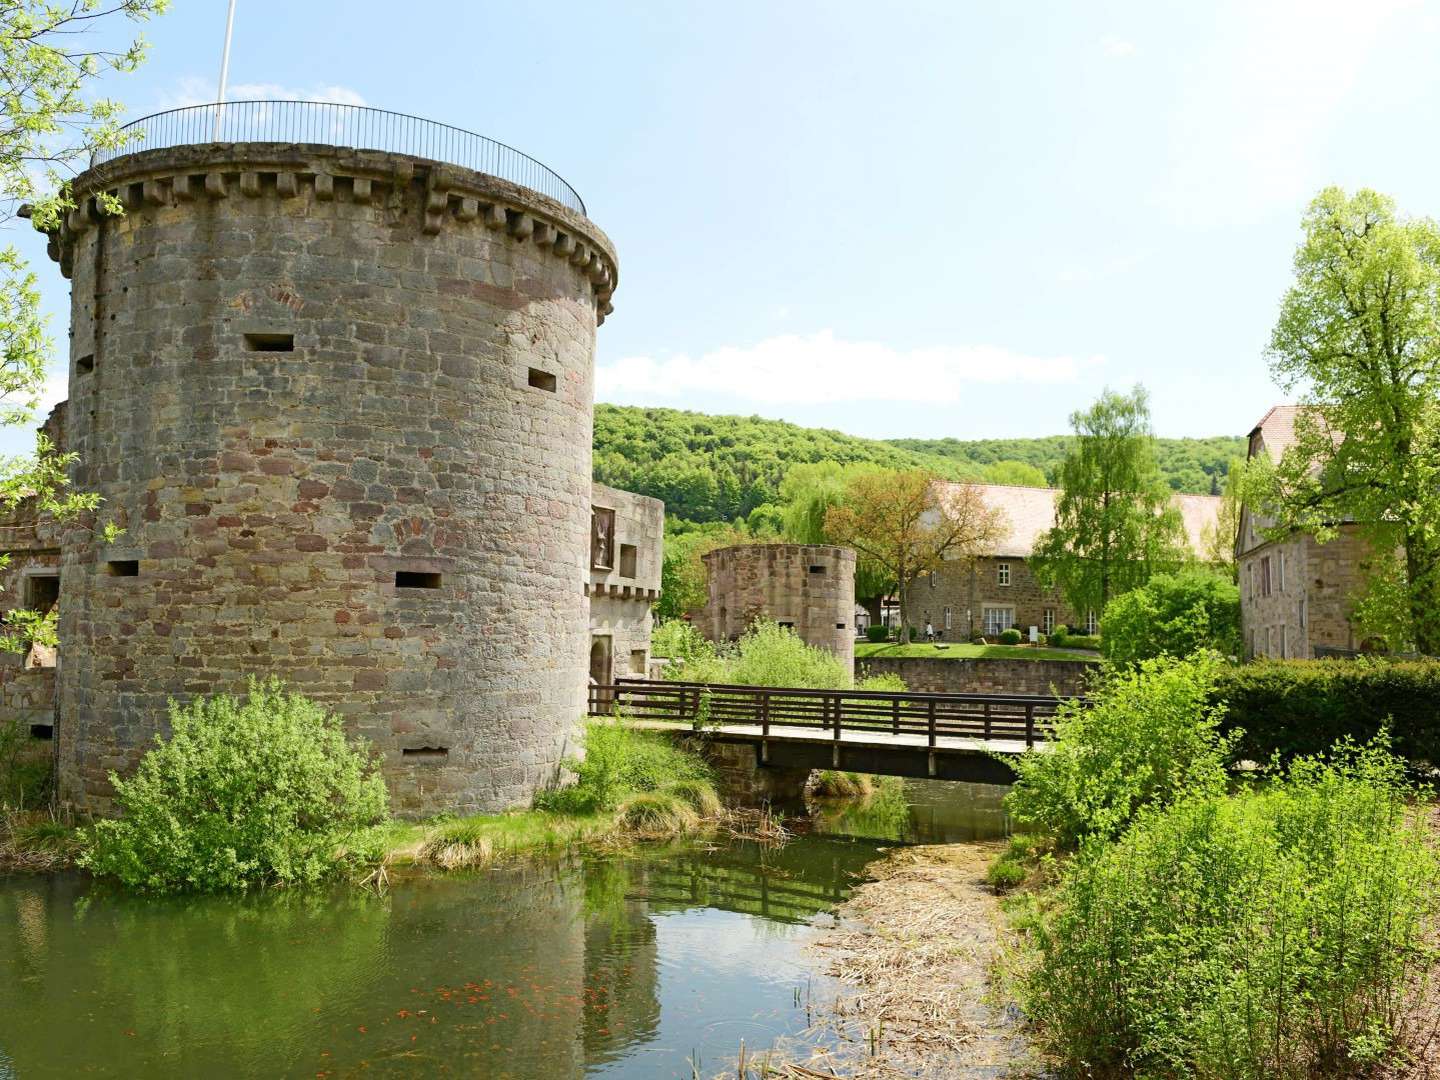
(915, 948)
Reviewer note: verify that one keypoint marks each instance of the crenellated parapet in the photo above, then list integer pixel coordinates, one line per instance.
(435, 195)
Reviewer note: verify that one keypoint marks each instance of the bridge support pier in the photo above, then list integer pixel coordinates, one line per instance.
(741, 778)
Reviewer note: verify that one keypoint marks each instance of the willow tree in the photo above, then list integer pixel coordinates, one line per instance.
(808, 493)
(1114, 526)
(1359, 337)
(908, 523)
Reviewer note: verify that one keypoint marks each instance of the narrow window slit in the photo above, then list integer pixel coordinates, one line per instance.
(42, 731)
(123, 567)
(542, 380)
(426, 753)
(270, 342)
(817, 569)
(416, 579)
(85, 365)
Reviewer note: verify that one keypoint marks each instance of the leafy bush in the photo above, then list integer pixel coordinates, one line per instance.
(24, 775)
(246, 791)
(1010, 637)
(1270, 934)
(1147, 735)
(1077, 641)
(679, 640)
(1175, 615)
(620, 761)
(877, 633)
(1301, 707)
(769, 655)
(1059, 632)
(1006, 873)
(889, 681)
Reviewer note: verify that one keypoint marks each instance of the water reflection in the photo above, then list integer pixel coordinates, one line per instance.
(619, 967)
(918, 812)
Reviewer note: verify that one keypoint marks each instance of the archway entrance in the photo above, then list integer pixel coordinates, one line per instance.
(602, 667)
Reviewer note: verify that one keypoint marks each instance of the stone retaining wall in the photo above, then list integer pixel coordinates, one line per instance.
(976, 676)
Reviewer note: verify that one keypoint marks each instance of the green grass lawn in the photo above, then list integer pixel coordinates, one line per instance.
(865, 650)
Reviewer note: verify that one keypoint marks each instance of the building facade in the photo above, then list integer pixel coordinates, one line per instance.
(1296, 594)
(987, 595)
(626, 538)
(340, 401)
(809, 588)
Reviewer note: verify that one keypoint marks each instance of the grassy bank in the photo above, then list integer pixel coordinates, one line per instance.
(865, 650)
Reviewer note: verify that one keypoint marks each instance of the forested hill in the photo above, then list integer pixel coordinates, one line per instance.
(719, 468)
(1187, 464)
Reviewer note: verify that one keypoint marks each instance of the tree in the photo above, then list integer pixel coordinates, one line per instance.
(808, 493)
(1114, 524)
(907, 524)
(1359, 335)
(1173, 615)
(49, 121)
(1217, 538)
(1016, 474)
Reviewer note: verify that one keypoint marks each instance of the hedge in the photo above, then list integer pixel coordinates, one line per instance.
(1297, 707)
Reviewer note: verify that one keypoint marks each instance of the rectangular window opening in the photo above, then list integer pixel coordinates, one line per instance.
(788, 624)
(416, 579)
(842, 626)
(42, 592)
(42, 731)
(542, 380)
(1002, 574)
(85, 365)
(817, 569)
(426, 753)
(639, 661)
(270, 342)
(629, 558)
(123, 567)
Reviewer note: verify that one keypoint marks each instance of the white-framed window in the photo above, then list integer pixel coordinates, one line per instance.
(1092, 624)
(997, 620)
(932, 579)
(1303, 612)
(949, 623)
(1047, 620)
(1282, 572)
(1002, 573)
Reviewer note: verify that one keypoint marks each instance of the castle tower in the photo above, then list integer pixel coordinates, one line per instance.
(807, 587)
(340, 401)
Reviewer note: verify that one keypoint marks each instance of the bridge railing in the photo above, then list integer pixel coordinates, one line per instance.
(935, 716)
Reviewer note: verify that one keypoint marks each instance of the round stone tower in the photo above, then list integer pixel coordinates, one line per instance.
(807, 587)
(340, 402)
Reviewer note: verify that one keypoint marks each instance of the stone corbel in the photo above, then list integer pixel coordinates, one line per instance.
(180, 187)
(250, 184)
(153, 192)
(520, 225)
(287, 185)
(324, 187)
(494, 216)
(362, 191)
(215, 186)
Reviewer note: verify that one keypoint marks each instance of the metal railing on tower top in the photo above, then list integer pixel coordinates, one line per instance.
(333, 124)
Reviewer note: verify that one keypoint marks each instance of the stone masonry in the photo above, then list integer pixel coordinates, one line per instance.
(627, 534)
(943, 675)
(808, 587)
(340, 401)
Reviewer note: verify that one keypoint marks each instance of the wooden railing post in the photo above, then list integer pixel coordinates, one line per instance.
(836, 725)
(765, 712)
(931, 722)
(895, 716)
(987, 719)
(1029, 726)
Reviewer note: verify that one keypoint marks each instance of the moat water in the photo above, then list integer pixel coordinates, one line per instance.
(653, 964)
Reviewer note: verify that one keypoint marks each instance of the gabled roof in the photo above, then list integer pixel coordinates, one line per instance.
(1275, 431)
(1029, 512)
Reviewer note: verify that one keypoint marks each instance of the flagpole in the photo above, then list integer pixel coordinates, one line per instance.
(224, 70)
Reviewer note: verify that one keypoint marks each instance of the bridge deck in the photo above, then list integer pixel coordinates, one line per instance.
(879, 740)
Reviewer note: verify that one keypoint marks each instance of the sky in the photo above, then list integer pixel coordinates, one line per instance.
(902, 219)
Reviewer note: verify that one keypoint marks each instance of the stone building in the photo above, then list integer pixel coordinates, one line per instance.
(807, 587)
(340, 401)
(626, 537)
(996, 592)
(1295, 593)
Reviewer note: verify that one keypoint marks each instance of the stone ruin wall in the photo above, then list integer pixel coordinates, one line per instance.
(808, 587)
(626, 553)
(340, 402)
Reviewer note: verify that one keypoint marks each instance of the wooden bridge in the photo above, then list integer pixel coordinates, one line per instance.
(940, 736)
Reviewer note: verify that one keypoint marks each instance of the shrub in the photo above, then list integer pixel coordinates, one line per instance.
(619, 761)
(24, 776)
(656, 813)
(889, 681)
(1147, 735)
(1005, 873)
(246, 791)
(1270, 934)
(679, 640)
(1010, 637)
(877, 633)
(1079, 641)
(829, 784)
(1301, 707)
(1175, 615)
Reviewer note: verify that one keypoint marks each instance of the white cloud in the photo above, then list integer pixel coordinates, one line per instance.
(1257, 107)
(1116, 47)
(822, 369)
(193, 90)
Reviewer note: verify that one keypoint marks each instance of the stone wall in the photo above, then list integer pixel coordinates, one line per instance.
(924, 675)
(965, 588)
(340, 401)
(1312, 588)
(627, 538)
(810, 588)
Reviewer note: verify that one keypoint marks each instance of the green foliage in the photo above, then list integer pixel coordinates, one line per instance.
(1146, 736)
(1301, 707)
(1010, 636)
(244, 792)
(1076, 641)
(620, 760)
(1173, 615)
(889, 682)
(767, 655)
(679, 640)
(1273, 934)
(24, 777)
(699, 795)
(877, 632)
(656, 814)
(1114, 525)
(1016, 474)
(1006, 873)
(1194, 465)
(1358, 336)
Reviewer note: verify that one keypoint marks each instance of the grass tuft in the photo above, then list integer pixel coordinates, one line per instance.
(656, 814)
